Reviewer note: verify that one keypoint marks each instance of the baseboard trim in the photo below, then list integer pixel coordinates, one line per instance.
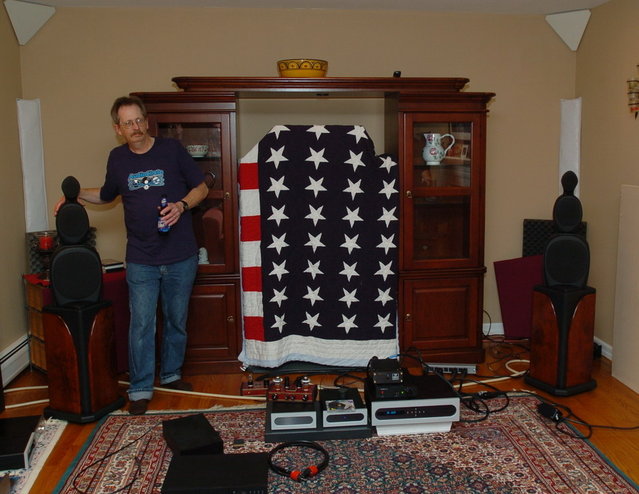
(14, 359)
(606, 349)
(497, 329)
(493, 329)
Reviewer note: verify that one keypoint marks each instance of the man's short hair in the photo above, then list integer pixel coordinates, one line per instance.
(126, 101)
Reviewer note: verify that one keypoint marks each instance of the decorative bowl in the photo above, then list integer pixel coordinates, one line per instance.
(197, 150)
(302, 67)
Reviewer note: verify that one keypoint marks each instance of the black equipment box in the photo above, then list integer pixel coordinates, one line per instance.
(17, 440)
(242, 473)
(192, 435)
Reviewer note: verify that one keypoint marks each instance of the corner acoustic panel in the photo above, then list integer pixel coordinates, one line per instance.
(27, 18)
(570, 26)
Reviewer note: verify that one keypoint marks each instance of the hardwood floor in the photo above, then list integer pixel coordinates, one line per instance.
(610, 403)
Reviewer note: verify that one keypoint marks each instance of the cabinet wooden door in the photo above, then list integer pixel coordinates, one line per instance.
(442, 203)
(212, 327)
(442, 317)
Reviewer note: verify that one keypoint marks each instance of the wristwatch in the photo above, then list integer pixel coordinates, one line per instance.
(185, 204)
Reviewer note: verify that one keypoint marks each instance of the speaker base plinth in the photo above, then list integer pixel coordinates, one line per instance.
(83, 418)
(572, 390)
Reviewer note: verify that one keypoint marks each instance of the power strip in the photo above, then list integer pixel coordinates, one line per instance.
(454, 368)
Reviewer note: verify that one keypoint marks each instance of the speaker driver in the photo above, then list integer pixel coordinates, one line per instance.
(567, 261)
(76, 275)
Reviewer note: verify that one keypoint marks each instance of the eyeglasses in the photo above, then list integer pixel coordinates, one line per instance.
(129, 123)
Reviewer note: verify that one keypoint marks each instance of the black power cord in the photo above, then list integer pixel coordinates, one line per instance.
(306, 472)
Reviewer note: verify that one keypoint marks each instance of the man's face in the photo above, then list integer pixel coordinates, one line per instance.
(133, 127)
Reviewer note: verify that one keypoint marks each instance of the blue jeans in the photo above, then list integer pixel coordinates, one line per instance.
(173, 284)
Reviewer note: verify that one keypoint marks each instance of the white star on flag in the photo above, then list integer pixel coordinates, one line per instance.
(388, 216)
(277, 186)
(279, 297)
(279, 323)
(352, 216)
(383, 323)
(355, 160)
(350, 243)
(387, 163)
(277, 156)
(388, 189)
(278, 243)
(349, 297)
(279, 270)
(347, 323)
(313, 295)
(279, 128)
(387, 243)
(359, 132)
(316, 157)
(314, 241)
(312, 321)
(278, 214)
(315, 214)
(385, 269)
(315, 185)
(383, 296)
(318, 130)
(313, 269)
(349, 271)
(353, 188)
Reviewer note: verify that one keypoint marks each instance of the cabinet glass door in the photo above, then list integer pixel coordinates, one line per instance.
(206, 138)
(438, 192)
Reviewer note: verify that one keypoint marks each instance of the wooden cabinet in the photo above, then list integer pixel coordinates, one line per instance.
(36, 297)
(442, 227)
(442, 206)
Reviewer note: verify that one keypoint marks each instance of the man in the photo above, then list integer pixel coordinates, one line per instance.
(141, 171)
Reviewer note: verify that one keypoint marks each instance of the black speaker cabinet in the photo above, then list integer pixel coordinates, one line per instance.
(80, 357)
(561, 342)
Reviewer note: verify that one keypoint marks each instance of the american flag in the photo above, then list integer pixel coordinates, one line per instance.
(319, 229)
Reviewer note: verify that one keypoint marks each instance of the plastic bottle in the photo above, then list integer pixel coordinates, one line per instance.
(163, 228)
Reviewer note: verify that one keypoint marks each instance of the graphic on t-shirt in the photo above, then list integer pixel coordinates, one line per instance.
(144, 180)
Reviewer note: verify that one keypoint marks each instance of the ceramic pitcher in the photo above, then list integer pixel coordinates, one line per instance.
(434, 152)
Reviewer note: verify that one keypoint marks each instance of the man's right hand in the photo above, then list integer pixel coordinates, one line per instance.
(58, 205)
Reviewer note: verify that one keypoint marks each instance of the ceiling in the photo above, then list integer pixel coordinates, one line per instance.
(482, 6)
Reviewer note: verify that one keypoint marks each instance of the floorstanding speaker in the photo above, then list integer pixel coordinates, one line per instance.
(561, 343)
(80, 353)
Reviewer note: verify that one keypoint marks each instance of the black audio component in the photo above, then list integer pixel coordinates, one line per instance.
(384, 371)
(400, 391)
(241, 473)
(192, 435)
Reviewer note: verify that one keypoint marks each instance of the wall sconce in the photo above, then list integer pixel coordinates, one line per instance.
(633, 95)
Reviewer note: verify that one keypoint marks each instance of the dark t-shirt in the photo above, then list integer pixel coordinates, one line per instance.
(141, 179)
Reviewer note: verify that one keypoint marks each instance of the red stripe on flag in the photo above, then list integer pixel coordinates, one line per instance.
(250, 230)
(254, 328)
(252, 279)
(248, 176)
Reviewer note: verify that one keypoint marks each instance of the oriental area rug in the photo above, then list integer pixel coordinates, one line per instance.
(512, 451)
